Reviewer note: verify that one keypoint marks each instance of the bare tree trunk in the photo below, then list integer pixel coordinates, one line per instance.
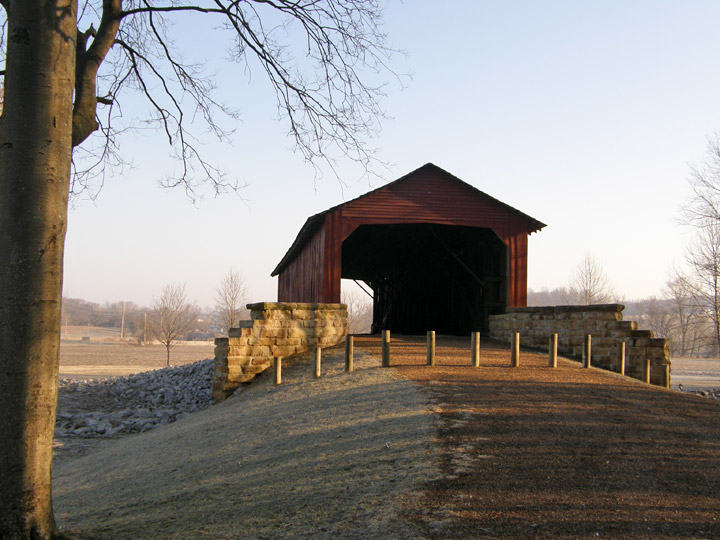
(35, 153)
(716, 322)
(167, 348)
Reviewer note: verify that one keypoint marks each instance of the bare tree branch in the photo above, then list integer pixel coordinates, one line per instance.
(230, 300)
(702, 213)
(704, 182)
(703, 260)
(172, 316)
(89, 59)
(324, 91)
(589, 284)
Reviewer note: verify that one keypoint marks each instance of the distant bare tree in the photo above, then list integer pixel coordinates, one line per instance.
(172, 316)
(548, 297)
(702, 213)
(679, 292)
(360, 311)
(659, 318)
(589, 284)
(703, 259)
(230, 300)
(704, 204)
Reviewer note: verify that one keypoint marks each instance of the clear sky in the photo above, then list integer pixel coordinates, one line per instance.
(582, 114)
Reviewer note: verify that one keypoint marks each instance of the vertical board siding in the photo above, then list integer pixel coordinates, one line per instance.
(427, 195)
(302, 280)
(332, 270)
(517, 271)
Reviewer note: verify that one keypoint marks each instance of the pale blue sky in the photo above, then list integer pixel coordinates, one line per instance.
(582, 114)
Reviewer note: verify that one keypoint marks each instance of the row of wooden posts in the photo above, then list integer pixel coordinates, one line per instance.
(475, 354)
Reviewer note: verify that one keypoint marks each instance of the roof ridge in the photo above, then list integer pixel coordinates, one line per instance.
(314, 222)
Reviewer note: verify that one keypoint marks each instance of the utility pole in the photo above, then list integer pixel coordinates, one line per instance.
(122, 322)
(145, 330)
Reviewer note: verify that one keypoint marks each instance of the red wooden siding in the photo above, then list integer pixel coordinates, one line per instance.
(425, 197)
(302, 280)
(333, 257)
(311, 269)
(517, 272)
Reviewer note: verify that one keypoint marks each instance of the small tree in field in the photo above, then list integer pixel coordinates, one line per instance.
(172, 316)
(230, 299)
(589, 284)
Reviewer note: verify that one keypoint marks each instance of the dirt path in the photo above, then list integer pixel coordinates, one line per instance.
(565, 453)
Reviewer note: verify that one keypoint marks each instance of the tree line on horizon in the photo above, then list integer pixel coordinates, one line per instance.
(229, 309)
(674, 314)
(125, 315)
(144, 322)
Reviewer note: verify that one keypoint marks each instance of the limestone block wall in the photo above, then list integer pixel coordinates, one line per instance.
(274, 329)
(603, 322)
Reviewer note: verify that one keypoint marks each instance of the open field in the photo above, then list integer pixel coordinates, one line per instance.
(696, 373)
(103, 359)
(95, 333)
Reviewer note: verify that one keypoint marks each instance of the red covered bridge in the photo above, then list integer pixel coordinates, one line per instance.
(437, 253)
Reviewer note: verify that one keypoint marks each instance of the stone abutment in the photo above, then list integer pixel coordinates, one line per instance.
(274, 330)
(603, 322)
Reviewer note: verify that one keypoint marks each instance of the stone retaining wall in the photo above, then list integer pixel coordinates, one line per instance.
(603, 322)
(275, 329)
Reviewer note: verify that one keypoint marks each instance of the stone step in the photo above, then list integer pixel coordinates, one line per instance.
(255, 369)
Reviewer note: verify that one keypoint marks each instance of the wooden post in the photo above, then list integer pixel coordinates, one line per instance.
(552, 351)
(515, 349)
(318, 362)
(431, 348)
(475, 347)
(277, 368)
(349, 367)
(386, 348)
(587, 351)
(621, 357)
(667, 376)
(646, 374)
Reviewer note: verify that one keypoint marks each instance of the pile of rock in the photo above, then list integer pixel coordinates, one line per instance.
(132, 404)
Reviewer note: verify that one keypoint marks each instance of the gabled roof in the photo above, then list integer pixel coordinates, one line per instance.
(315, 222)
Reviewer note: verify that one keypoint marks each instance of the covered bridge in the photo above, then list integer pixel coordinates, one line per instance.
(437, 253)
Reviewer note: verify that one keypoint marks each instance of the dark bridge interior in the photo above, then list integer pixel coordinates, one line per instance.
(429, 277)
